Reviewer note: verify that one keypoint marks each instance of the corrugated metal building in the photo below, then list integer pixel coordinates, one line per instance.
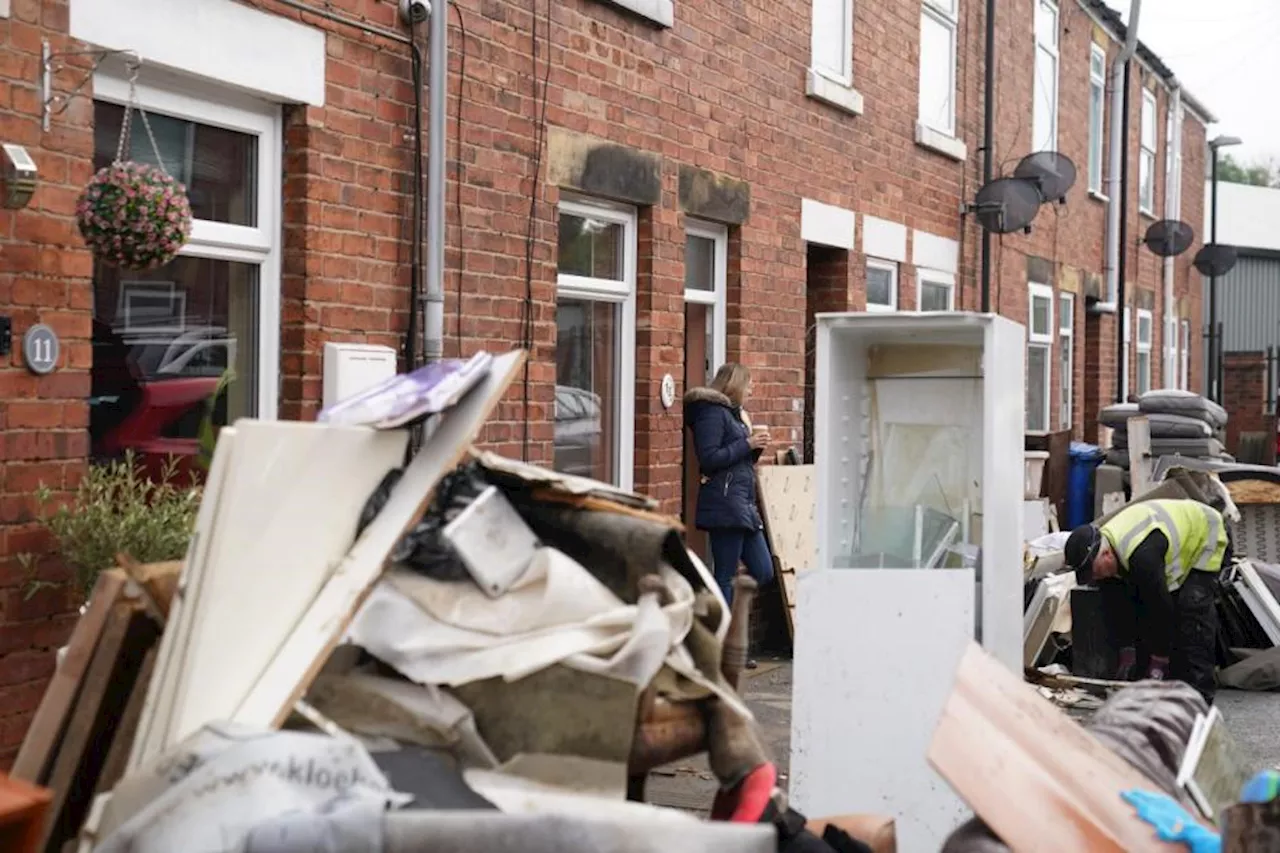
(1249, 295)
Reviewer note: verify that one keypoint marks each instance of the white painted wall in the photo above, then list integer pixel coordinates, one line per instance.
(1248, 217)
(826, 224)
(220, 40)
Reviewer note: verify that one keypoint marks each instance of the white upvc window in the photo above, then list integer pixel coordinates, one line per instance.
(1044, 114)
(830, 76)
(1097, 111)
(1066, 358)
(216, 307)
(1039, 356)
(938, 20)
(1144, 371)
(1127, 333)
(882, 285)
(706, 258)
(1147, 155)
(596, 342)
(935, 290)
(1184, 356)
(1169, 347)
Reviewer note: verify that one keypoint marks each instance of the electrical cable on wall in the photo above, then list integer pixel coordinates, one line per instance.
(540, 126)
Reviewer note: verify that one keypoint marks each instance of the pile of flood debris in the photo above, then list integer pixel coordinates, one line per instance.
(368, 648)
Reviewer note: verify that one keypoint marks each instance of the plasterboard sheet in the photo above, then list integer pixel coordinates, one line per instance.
(875, 653)
(158, 706)
(295, 663)
(290, 505)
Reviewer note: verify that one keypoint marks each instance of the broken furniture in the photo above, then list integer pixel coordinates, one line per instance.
(919, 460)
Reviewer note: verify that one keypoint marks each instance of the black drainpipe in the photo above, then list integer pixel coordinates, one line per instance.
(1122, 363)
(988, 141)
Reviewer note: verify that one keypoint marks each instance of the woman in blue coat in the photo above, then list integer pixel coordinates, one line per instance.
(727, 449)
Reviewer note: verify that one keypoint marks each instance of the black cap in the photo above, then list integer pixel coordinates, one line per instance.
(1082, 547)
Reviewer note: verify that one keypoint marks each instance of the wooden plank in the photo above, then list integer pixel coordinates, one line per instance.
(297, 662)
(70, 778)
(786, 502)
(1139, 432)
(290, 504)
(36, 753)
(158, 581)
(787, 498)
(998, 735)
(158, 707)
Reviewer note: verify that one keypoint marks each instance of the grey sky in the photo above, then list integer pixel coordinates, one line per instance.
(1226, 53)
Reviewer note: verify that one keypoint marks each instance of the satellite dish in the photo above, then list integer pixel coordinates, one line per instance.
(1053, 173)
(1169, 237)
(1214, 260)
(1007, 204)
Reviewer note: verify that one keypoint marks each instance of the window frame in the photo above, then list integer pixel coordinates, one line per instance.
(1142, 348)
(1067, 344)
(716, 300)
(948, 18)
(894, 282)
(1147, 152)
(260, 245)
(1097, 149)
(621, 293)
(1042, 341)
(937, 278)
(1051, 47)
(845, 74)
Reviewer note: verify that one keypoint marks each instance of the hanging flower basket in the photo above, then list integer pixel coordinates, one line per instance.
(134, 216)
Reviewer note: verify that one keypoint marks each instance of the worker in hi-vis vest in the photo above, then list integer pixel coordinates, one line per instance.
(1157, 563)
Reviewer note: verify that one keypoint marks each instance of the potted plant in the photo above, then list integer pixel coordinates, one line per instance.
(116, 509)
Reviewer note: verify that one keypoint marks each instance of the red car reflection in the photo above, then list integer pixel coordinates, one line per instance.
(157, 416)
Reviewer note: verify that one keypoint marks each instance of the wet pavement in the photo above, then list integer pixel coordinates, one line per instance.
(1251, 717)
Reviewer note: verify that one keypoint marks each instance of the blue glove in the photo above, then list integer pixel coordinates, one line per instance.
(1172, 821)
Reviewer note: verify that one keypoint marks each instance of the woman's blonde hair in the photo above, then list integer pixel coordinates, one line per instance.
(731, 380)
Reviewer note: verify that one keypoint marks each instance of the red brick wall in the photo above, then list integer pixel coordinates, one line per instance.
(722, 90)
(44, 277)
(1244, 395)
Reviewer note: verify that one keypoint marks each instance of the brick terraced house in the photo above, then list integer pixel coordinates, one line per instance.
(690, 181)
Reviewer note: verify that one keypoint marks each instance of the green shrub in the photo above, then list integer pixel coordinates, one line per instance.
(116, 509)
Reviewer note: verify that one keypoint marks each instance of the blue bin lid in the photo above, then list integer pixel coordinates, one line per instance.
(1086, 452)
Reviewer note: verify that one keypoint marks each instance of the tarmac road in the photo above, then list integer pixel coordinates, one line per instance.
(1252, 718)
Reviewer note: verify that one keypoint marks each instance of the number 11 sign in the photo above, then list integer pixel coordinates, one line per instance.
(40, 349)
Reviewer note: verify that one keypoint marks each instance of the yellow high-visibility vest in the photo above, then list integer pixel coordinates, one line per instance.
(1196, 532)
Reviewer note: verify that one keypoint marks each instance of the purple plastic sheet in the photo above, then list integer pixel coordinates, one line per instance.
(407, 397)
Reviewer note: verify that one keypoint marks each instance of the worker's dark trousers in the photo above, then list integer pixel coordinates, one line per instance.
(1195, 642)
(1195, 630)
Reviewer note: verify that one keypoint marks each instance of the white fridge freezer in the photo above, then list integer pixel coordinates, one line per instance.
(919, 459)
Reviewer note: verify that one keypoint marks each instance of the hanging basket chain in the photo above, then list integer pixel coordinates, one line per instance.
(126, 127)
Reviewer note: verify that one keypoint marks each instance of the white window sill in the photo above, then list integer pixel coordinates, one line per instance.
(822, 88)
(660, 12)
(4, 8)
(935, 140)
(1147, 213)
(878, 308)
(1099, 196)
